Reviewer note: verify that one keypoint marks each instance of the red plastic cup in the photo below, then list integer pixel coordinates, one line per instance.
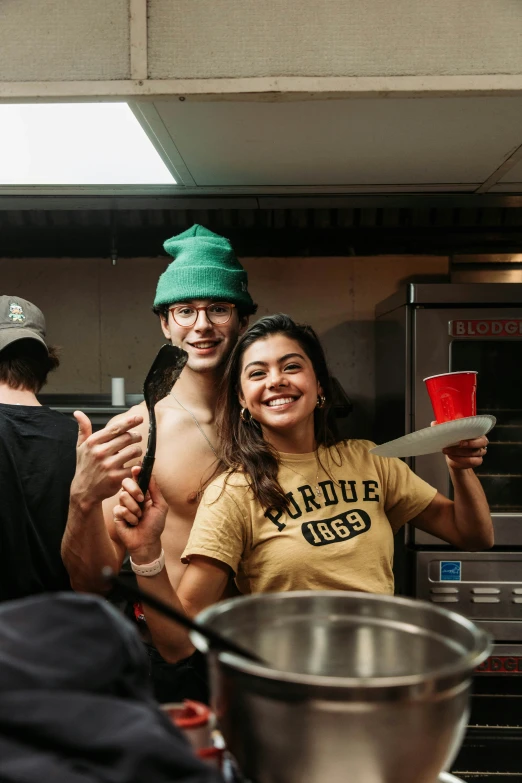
(196, 721)
(453, 395)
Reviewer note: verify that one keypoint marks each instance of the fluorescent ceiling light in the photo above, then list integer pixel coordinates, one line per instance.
(76, 144)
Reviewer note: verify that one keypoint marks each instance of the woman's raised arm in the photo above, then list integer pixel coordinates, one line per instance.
(464, 522)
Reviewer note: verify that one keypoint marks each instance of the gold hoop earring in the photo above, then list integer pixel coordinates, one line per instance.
(245, 416)
(321, 400)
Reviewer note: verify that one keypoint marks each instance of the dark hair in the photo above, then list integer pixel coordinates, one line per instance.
(25, 364)
(242, 446)
(243, 310)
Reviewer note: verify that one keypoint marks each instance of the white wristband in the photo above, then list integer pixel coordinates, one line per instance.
(149, 569)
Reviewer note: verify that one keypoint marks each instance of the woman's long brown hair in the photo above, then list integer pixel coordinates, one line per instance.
(242, 446)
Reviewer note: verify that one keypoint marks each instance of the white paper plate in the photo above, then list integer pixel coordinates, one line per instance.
(433, 439)
(445, 777)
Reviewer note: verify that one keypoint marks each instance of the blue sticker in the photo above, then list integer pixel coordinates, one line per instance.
(450, 570)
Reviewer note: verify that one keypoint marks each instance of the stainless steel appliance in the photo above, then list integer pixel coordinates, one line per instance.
(428, 329)
(423, 330)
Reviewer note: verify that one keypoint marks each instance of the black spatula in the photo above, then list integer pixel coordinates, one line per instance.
(163, 374)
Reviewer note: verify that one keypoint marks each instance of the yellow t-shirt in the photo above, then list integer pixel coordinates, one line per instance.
(340, 538)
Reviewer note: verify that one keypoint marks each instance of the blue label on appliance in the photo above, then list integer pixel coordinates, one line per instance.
(450, 570)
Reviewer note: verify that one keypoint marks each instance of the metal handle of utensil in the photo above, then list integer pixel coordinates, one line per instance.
(216, 640)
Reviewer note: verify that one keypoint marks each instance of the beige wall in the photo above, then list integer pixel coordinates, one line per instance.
(338, 297)
(100, 314)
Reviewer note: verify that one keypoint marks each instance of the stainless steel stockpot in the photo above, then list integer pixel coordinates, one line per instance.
(361, 687)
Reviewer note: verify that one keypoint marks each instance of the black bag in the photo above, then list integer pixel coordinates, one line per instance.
(75, 700)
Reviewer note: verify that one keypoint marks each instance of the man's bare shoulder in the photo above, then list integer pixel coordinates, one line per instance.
(171, 419)
(136, 410)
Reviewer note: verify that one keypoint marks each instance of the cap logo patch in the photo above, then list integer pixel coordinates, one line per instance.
(16, 313)
(243, 286)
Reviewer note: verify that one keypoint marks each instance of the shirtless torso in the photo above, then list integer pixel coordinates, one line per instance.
(184, 460)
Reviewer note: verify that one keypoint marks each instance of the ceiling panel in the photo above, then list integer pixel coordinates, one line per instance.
(515, 173)
(507, 187)
(366, 142)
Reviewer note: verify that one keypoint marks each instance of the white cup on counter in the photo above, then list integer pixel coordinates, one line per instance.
(118, 391)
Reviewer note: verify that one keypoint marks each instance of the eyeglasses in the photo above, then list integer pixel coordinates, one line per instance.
(217, 313)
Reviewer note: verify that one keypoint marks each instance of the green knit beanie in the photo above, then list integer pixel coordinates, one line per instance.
(204, 267)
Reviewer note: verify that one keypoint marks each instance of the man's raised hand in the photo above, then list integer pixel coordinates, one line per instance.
(101, 456)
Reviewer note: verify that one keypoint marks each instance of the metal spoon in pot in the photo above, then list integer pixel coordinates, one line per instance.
(215, 639)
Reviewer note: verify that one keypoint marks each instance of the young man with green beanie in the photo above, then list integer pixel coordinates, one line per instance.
(203, 304)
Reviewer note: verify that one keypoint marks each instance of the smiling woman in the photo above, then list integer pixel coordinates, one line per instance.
(296, 507)
(285, 391)
(279, 386)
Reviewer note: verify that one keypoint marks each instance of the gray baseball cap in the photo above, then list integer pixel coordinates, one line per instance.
(20, 320)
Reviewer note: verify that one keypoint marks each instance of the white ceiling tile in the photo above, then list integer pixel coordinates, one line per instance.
(363, 141)
(514, 174)
(508, 187)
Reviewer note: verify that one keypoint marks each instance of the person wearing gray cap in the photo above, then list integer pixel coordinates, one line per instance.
(37, 457)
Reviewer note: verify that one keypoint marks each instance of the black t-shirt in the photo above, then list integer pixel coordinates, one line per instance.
(37, 463)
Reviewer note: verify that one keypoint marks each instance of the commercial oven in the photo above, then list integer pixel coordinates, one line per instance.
(427, 329)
